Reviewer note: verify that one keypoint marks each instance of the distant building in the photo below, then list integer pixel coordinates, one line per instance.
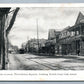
(33, 45)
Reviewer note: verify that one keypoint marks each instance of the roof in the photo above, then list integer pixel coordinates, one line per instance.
(80, 18)
(79, 21)
(65, 29)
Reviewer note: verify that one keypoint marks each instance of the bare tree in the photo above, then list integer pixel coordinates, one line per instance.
(5, 38)
(12, 20)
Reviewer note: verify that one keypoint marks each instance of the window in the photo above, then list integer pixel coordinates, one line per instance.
(72, 33)
(77, 32)
(68, 33)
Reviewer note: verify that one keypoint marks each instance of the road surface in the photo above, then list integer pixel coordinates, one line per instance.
(34, 62)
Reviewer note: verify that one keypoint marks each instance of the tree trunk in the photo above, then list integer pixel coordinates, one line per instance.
(4, 38)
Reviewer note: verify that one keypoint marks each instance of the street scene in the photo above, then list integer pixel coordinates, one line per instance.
(42, 38)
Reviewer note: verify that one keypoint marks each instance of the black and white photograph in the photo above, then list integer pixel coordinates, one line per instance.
(41, 38)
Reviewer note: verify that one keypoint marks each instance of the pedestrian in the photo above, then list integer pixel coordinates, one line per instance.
(78, 52)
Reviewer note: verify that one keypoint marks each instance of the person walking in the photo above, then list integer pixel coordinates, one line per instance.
(78, 52)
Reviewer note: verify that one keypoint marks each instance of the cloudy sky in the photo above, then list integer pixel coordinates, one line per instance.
(25, 26)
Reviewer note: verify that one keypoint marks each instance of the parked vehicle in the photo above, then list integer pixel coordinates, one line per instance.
(21, 51)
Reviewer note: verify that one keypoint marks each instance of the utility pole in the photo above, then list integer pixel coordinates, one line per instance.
(27, 44)
(37, 35)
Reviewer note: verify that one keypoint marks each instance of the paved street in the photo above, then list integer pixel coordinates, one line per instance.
(34, 62)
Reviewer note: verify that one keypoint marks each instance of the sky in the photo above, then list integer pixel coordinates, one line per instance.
(25, 26)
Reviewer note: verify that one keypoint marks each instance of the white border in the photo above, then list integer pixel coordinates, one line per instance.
(44, 5)
(41, 75)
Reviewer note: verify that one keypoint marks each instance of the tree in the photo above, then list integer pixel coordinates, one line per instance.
(12, 21)
(5, 38)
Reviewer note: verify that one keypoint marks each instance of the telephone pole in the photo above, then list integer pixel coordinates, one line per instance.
(37, 35)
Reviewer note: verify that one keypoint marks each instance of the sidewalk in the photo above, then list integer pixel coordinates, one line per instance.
(74, 56)
(60, 55)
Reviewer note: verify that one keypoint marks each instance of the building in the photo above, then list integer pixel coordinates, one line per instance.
(34, 47)
(71, 39)
(51, 43)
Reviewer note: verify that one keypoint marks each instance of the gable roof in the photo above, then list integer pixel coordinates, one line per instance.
(80, 18)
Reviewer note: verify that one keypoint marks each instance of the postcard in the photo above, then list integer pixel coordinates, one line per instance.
(42, 42)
